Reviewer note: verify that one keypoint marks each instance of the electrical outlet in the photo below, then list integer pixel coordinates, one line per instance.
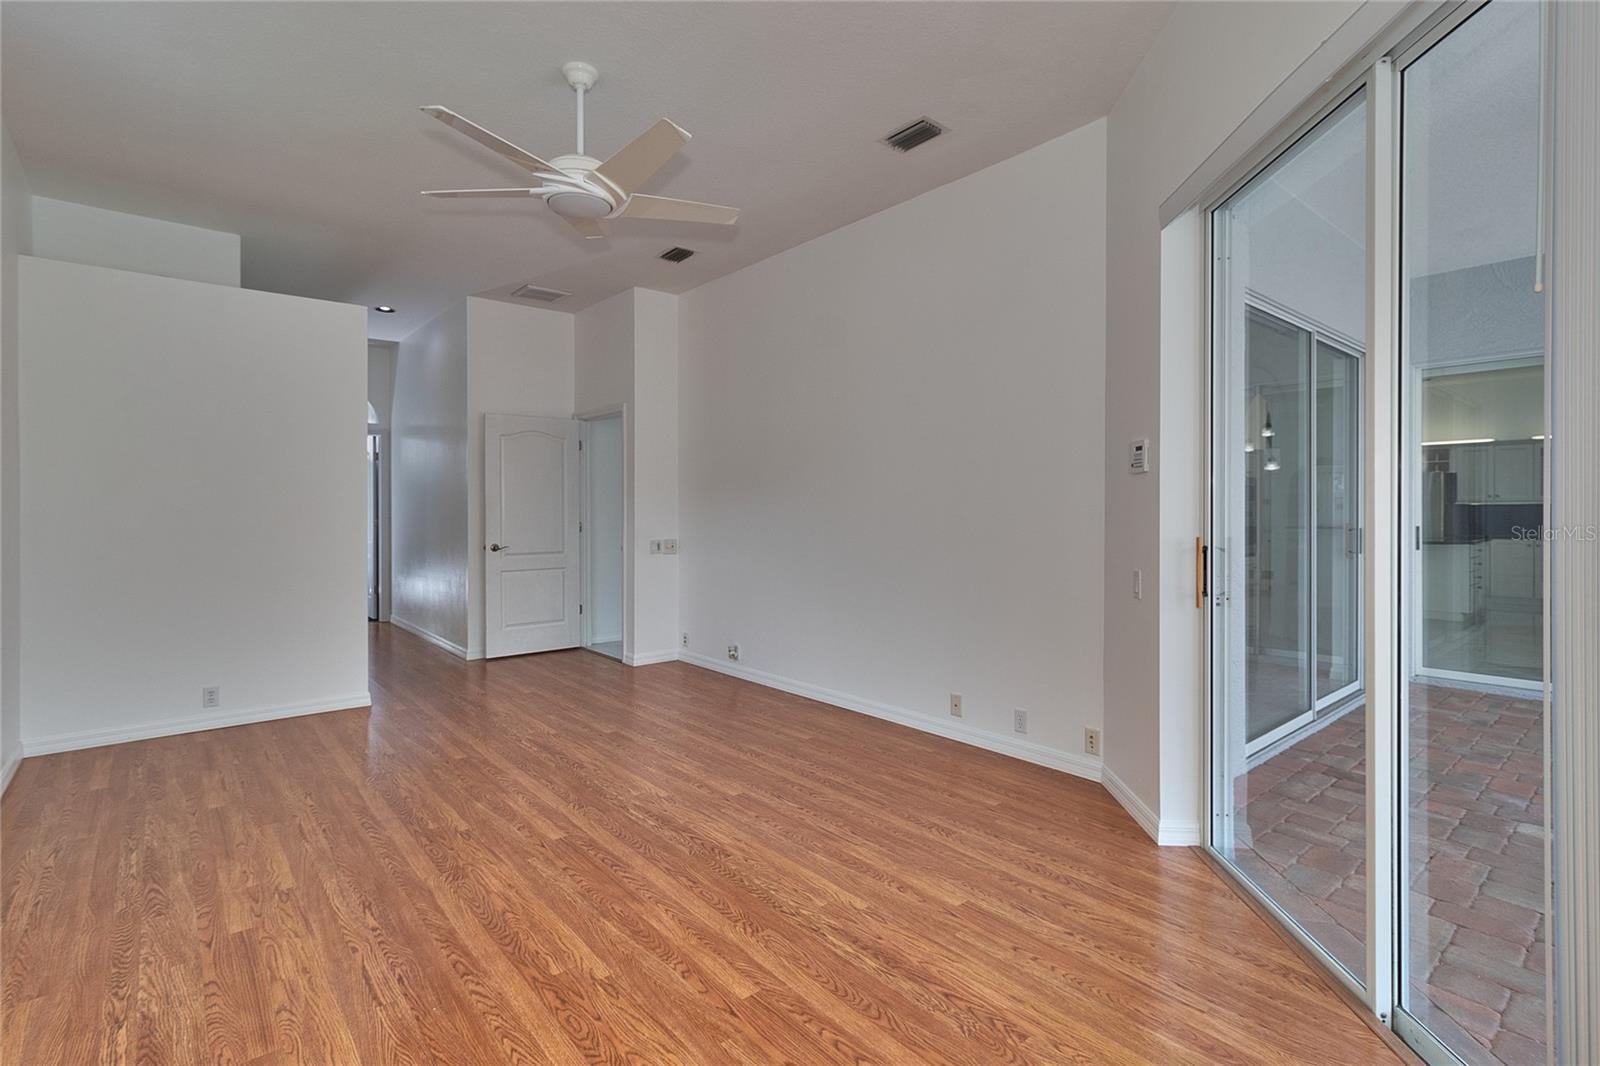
(955, 705)
(686, 640)
(733, 652)
(1019, 720)
(1091, 741)
(211, 696)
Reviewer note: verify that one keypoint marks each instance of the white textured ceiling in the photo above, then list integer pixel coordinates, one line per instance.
(296, 125)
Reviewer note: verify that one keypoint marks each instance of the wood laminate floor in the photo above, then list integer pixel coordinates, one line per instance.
(558, 859)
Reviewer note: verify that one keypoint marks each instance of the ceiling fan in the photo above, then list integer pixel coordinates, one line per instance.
(582, 189)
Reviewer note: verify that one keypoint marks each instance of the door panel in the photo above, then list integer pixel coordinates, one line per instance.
(531, 568)
(1473, 831)
(1288, 723)
(374, 570)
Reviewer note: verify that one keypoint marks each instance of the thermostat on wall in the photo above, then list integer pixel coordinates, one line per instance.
(1139, 456)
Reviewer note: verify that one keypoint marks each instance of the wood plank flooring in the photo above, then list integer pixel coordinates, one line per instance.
(556, 859)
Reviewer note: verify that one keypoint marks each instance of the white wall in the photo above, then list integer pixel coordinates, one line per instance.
(16, 238)
(655, 481)
(1210, 67)
(604, 341)
(892, 457)
(519, 361)
(78, 233)
(428, 481)
(174, 541)
(479, 357)
(381, 359)
(627, 353)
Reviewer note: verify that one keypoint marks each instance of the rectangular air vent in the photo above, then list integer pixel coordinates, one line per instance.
(677, 255)
(919, 132)
(544, 296)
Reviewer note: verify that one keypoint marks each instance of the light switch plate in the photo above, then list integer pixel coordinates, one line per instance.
(1139, 456)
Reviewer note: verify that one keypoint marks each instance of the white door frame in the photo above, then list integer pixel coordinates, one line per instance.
(385, 568)
(618, 410)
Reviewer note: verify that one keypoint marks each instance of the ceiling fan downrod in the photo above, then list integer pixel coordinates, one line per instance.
(581, 76)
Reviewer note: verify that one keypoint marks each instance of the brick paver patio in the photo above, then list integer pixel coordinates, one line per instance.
(1477, 954)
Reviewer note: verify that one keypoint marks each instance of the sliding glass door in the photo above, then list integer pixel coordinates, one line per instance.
(1377, 595)
(1289, 309)
(1471, 373)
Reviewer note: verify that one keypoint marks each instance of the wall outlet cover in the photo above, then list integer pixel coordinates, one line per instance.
(686, 640)
(955, 705)
(733, 652)
(1091, 741)
(1019, 720)
(211, 696)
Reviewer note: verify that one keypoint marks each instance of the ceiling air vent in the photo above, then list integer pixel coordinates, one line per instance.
(919, 132)
(544, 296)
(677, 255)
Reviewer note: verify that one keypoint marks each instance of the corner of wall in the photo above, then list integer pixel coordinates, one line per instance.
(16, 238)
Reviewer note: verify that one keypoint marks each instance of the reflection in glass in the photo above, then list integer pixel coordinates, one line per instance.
(1290, 309)
(1473, 966)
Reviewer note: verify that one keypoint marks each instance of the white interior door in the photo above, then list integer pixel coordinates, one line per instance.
(531, 569)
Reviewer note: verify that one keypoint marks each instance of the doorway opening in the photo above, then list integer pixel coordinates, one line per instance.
(604, 528)
(376, 548)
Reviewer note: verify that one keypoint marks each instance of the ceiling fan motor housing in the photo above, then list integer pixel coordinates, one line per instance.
(591, 196)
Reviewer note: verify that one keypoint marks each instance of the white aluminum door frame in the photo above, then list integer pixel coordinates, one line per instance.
(1573, 695)
(1376, 992)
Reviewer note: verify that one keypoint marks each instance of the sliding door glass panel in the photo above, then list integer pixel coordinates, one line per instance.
(1472, 335)
(1338, 509)
(1289, 281)
(1277, 592)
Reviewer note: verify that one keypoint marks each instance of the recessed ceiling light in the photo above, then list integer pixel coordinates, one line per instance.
(384, 309)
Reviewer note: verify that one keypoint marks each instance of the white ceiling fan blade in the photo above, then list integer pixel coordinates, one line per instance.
(670, 210)
(486, 192)
(525, 160)
(588, 227)
(643, 156)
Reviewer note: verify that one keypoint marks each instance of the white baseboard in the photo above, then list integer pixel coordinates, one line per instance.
(649, 657)
(1067, 762)
(8, 771)
(96, 738)
(432, 638)
(1169, 833)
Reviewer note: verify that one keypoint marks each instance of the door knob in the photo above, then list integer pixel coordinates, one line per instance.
(498, 547)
